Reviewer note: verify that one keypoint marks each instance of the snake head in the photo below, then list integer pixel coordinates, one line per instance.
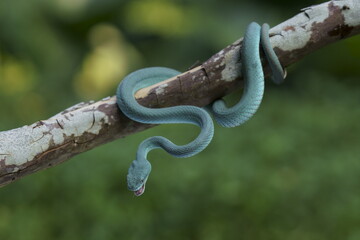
(137, 176)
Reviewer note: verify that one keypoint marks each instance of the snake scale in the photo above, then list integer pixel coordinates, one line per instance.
(255, 36)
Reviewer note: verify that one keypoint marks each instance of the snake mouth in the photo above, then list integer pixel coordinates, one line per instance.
(140, 191)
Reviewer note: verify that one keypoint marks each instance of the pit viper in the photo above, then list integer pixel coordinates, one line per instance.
(251, 69)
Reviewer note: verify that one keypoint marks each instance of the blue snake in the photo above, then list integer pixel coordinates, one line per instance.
(140, 168)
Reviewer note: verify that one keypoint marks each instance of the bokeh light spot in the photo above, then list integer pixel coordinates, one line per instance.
(159, 17)
(106, 64)
(15, 76)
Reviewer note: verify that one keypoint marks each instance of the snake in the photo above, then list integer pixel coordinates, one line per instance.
(236, 115)
(251, 68)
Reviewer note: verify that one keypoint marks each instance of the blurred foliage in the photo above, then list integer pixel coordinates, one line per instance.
(289, 173)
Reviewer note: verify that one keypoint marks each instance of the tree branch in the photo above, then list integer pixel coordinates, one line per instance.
(84, 126)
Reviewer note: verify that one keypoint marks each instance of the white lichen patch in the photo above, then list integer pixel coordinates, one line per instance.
(16, 145)
(218, 56)
(232, 65)
(23, 144)
(351, 12)
(291, 40)
(296, 32)
(161, 89)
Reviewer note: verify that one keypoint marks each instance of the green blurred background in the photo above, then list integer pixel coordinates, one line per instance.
(292, 172)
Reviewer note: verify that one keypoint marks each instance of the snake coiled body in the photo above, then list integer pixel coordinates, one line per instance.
(227, 117)
(254, 78)
(178, 114)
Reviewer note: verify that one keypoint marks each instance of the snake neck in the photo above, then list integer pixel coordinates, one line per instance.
(145, 147)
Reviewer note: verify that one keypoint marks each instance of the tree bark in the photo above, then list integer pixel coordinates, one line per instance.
(84, 126)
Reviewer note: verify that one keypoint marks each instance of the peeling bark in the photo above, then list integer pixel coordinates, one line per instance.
(84, 126)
